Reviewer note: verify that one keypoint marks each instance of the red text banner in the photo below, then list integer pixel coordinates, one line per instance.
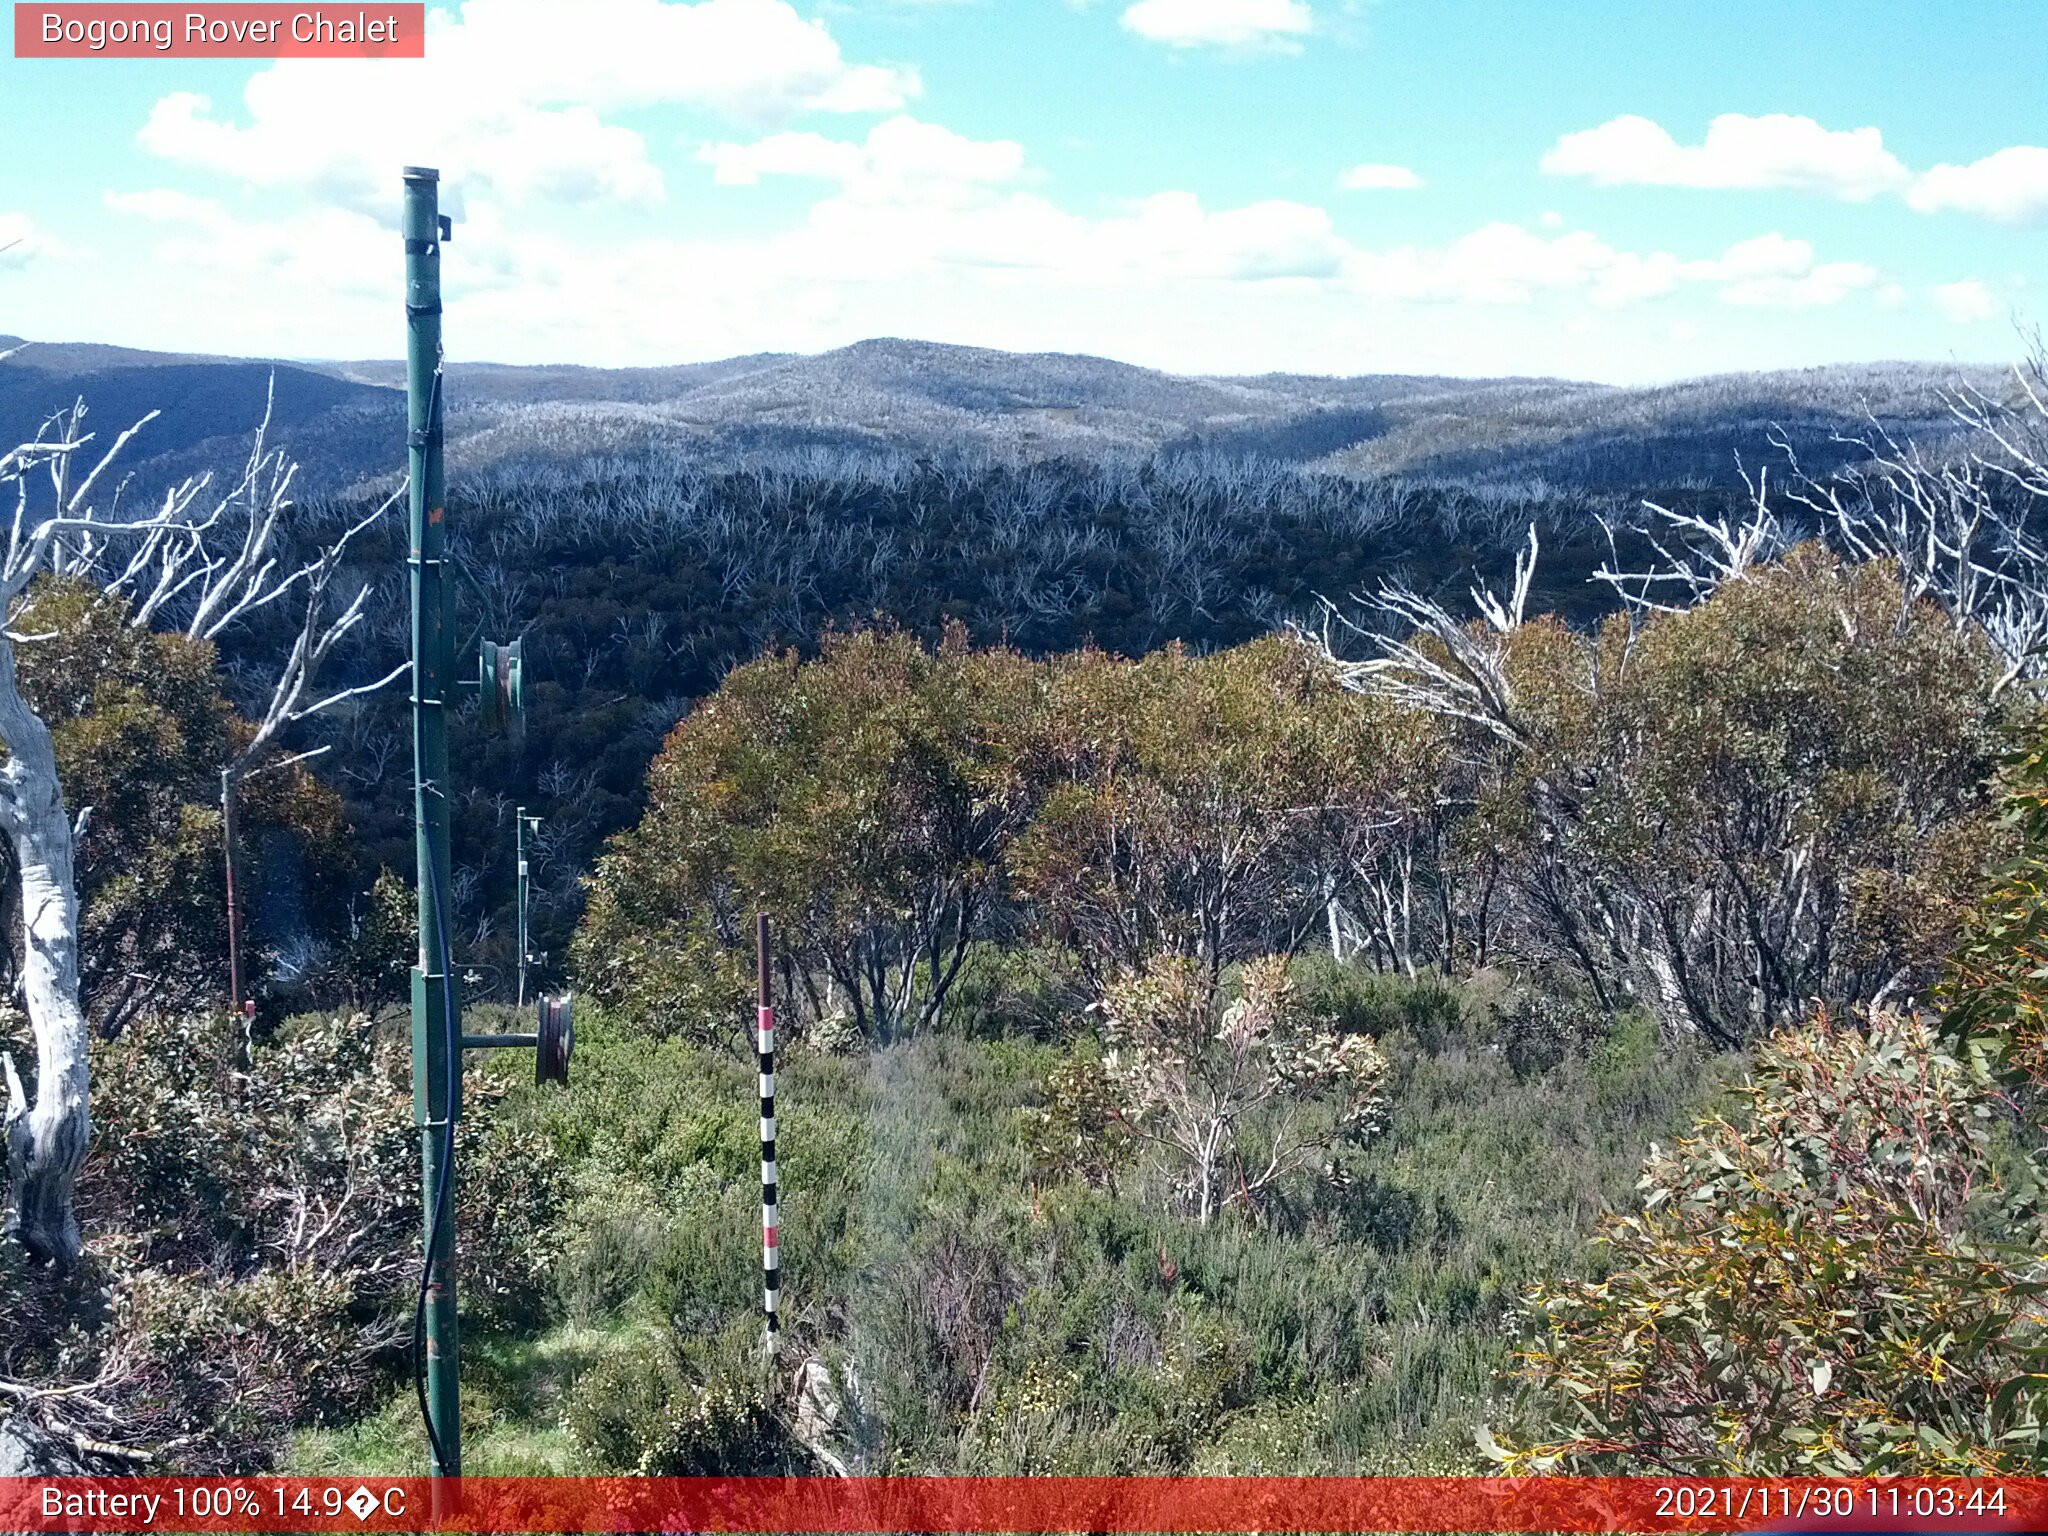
(109, 30)
(990, 1505)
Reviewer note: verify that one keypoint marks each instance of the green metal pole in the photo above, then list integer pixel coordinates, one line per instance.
(523, 945)
(436, 1020)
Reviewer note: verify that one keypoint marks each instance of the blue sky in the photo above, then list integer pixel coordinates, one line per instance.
(1620, 191)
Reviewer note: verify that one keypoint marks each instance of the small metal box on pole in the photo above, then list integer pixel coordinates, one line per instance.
(501, 686)
(523, 822)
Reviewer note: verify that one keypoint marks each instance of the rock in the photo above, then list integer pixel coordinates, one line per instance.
(818, 1410)
(28, 1450)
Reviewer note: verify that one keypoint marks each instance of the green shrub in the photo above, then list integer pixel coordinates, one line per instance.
(1632, 1044)
(1993, 994)
(1231, 1092)
(1803, 1290)
(217, 1369)
(606, 1261)
(618, 1407)
(1428, 1009)
(1028, 990)
(1544, 1022)
(666, 1406)
(1078, 1132)
(709, 1265)
(1279, 1437)
(721, 1430)
(1099, 1334)
(253, 1205)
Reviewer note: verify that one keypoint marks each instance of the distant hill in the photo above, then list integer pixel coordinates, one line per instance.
(344, 420)
(505, 384)
(1582, 435)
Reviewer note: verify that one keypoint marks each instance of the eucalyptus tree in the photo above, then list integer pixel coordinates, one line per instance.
(1234, 1094)
(864, 799)
(203, 558)
(1767, 785)
(1815, 1283)
(1196, 805)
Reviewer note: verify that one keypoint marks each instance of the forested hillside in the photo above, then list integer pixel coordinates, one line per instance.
(637, 586)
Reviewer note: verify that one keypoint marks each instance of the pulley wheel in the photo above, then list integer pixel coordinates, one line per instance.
(557, 1041)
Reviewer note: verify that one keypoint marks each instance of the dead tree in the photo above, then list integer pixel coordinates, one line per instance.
(1963, 523)
(178, 576)
(1425, 658)
(168, 566)
(1442, 665)
(46, 1139)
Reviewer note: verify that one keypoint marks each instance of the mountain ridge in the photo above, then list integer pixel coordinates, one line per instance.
(344, 418)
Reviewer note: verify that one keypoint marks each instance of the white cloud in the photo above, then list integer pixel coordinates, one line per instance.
(1379, 178)
(1829, 282)
(902, 160)
(334, 251)
(1965, 303)
(511, 148)
(504, 115)
(913, 207)
(1773, 151)
(915, 197)
(1772, 255)
(1173, 234)
(914, 229)
(1775, 272)
(2010, 186)
(1221, 23)
(1506, 264)
(1789, 153)
(1169, 238)
(1168, 281)
(1499, 263)
(810, 155)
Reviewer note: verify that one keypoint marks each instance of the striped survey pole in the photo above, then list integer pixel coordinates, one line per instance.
(764, 1019)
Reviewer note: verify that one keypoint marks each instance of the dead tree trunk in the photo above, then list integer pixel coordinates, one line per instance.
(46, 1138)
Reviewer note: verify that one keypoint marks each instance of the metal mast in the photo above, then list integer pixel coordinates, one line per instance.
(436, 1022)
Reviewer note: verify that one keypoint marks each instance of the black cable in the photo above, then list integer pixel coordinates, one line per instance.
(441, 1184)
(451, 1085)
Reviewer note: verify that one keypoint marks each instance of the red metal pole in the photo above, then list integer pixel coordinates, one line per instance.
(227, 837)
(764, 1022)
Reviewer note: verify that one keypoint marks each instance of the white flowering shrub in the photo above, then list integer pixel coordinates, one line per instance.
(1233, 1089)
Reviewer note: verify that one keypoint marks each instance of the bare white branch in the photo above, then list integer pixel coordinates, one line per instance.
(1507, 616)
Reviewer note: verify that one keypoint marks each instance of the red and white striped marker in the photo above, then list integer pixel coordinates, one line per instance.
(764, 1046)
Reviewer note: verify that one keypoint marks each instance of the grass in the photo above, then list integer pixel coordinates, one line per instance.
(513, 1389)
(1365, 1329)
